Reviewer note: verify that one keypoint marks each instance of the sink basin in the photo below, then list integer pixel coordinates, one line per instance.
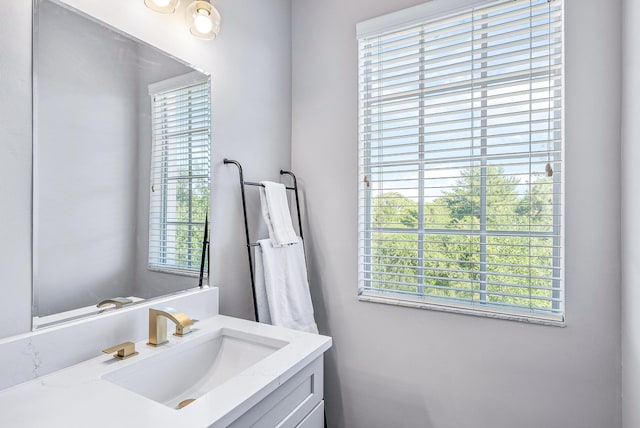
(194, 367)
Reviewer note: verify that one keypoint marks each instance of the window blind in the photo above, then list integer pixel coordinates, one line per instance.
(461, 141)
(180, 174)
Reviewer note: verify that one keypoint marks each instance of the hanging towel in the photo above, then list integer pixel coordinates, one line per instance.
(275, 211)
(282, 273)
(262, 304)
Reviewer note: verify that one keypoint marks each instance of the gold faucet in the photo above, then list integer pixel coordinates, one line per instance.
(158, 327)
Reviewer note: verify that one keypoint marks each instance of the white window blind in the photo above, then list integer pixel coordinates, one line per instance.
(461, 141)
(180, 172)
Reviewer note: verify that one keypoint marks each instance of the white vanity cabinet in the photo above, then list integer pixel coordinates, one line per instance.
(298, 402)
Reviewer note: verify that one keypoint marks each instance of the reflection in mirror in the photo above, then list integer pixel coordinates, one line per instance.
(120, 170)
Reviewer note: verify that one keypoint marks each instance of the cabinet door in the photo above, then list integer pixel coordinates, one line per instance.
(315, 419)
(289, 404)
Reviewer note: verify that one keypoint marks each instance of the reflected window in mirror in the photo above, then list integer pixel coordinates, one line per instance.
(180, 172)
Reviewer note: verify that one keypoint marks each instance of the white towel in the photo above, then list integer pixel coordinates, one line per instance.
(264, 316)
(275, 211)
(281, 277)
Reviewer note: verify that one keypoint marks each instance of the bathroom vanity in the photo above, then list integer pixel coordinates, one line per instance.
(229, 372)
(225, 372)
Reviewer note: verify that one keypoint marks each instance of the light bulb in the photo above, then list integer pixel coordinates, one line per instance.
(162, 3)
(202, 21)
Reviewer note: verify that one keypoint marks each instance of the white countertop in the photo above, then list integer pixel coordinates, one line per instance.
(78, 396)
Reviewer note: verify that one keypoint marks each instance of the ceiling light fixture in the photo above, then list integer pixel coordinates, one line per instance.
(162, 6)
(203, 20)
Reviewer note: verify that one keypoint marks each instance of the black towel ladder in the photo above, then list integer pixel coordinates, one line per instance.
(250, 244)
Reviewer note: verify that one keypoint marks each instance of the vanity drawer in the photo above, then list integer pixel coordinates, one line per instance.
(287, 406)
(315, 419)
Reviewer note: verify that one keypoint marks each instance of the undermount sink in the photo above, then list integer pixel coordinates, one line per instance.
(195, 367)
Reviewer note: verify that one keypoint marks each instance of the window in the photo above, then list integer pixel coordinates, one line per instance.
(180, 172)
(461, 142)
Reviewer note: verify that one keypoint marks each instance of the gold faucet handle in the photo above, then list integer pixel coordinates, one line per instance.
(186, 329)
(184, 326)
(122, 351)
(117, 301)
(182, 330)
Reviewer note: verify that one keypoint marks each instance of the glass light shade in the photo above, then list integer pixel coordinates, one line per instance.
(203, 20)
(162, 6)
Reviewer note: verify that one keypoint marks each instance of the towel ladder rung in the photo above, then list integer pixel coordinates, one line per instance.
(251, 183)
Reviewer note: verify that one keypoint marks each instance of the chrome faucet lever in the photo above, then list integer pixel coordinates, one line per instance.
(158, 327)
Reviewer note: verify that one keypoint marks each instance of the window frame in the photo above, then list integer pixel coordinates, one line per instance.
(408, 18)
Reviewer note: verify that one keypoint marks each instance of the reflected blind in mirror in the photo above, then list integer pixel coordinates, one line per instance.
(461, 169)
(180, 173)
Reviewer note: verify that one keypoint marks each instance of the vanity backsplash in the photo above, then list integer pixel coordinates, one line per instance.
(27, 356)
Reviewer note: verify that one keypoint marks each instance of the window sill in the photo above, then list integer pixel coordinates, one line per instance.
(479, 312)
(179, 272)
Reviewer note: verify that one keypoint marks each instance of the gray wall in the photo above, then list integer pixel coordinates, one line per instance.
(400, 367)
(15, 158)
(630, 215)
(250, 63)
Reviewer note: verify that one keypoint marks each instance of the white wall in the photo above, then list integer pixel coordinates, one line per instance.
(400, 367)
(630, 215)
(250, 63)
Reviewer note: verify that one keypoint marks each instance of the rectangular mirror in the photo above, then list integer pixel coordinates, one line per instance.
(121, 167)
